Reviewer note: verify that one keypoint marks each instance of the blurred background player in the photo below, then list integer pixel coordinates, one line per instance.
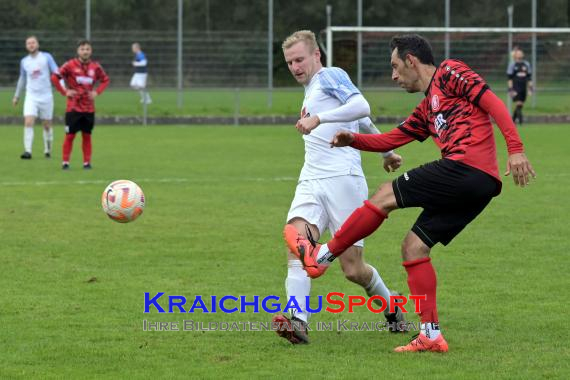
(519, 73)
(80, 76)
(331, 183)
(35, 71)
(138, 81)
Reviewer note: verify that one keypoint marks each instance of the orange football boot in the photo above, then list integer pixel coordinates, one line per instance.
(306, 250)
(422, 343)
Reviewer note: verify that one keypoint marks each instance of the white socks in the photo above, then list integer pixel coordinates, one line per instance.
(145, 97)
(376, 287)
(431, 330)
(325, 257)
(28, 138)
(48, 140)
(298, 284)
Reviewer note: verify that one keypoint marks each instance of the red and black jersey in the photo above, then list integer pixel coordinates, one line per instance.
(455, 113)
(81, 77)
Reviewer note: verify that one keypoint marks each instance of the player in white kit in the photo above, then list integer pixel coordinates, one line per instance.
(35, 72)
(332, 183)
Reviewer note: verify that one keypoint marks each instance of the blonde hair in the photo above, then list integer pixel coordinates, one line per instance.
(305, 36)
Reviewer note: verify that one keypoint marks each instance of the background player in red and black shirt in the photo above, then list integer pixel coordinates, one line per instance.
(80, 76)
(519, 73)
(452, 191)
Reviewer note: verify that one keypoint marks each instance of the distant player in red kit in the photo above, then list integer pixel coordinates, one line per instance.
(80, 76)
(452, 191)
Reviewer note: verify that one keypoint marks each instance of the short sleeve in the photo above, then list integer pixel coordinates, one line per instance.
(335, 82)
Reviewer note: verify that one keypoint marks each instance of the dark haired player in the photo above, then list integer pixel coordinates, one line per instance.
(80, 76)
(452, 191)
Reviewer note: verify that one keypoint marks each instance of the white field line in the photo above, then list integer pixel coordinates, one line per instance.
(144, 180)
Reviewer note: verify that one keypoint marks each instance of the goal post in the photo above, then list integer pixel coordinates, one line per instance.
(485, 48)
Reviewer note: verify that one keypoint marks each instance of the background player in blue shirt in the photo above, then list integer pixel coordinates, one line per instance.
(138, 81)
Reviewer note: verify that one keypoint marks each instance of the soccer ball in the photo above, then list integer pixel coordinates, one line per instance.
(123, 201)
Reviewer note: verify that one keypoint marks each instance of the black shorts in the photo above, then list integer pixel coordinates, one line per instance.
(79, 121)
(520, 95)
(451, 193)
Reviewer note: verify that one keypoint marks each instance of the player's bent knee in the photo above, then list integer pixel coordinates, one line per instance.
(355, 273)
(384, 198)
(301, 226)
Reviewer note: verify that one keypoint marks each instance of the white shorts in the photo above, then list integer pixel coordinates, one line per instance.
(328, 202)
(139, 80)
(41, 108)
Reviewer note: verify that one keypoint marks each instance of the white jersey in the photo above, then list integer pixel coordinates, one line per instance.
(328, 89)
(35, 73)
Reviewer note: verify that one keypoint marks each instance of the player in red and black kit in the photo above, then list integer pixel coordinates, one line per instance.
(452, 191)
(80, 75)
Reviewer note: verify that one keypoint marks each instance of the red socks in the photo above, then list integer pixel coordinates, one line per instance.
(86, 147)
(422, 280)
(361, 223)
(67, 146)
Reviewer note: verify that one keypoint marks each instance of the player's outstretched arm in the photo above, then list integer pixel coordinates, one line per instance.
(372, 143)
(391, 161)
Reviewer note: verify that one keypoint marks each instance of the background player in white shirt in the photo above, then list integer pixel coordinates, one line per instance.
(138, 81)
(35, 72)
(331, 184)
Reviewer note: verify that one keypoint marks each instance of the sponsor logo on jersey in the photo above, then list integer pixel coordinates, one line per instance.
(439, 123)
(83, 79)
(36, 73)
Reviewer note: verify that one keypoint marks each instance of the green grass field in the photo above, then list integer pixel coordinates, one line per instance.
(207, 102)
(73, 281)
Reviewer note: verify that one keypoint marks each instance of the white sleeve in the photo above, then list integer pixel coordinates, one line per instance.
(367, 126)
(356, 107)
(21, 81)
(51, 63)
